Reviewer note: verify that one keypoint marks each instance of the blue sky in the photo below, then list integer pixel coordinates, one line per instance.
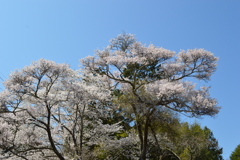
(66, 31)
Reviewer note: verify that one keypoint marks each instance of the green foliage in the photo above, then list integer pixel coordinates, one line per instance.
(141, 71)
(236, 153)
(198, 144)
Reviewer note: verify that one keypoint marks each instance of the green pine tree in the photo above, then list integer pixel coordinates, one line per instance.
(236, 153)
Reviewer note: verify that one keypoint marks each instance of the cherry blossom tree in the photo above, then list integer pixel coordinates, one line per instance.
(49, 111)
(149, 78)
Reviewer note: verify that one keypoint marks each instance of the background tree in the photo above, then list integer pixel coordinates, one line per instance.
(212, 151)
(180, 140)
(196, 143)
(152, 78)
(235, 154)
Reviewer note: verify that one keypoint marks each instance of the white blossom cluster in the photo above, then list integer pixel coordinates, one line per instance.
(161, 72)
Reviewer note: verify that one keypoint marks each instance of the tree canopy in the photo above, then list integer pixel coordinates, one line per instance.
(122, 104)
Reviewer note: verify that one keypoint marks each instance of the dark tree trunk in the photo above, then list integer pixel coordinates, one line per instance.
(145, 141)
(143, 155)
(139, 127)
(159, 150)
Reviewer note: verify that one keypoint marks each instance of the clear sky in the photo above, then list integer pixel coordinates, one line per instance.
(66, 31)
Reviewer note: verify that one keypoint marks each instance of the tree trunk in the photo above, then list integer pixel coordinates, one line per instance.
(159, 150)
(145, 141)
(145, 137)
(139, 128)
(81, 132)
